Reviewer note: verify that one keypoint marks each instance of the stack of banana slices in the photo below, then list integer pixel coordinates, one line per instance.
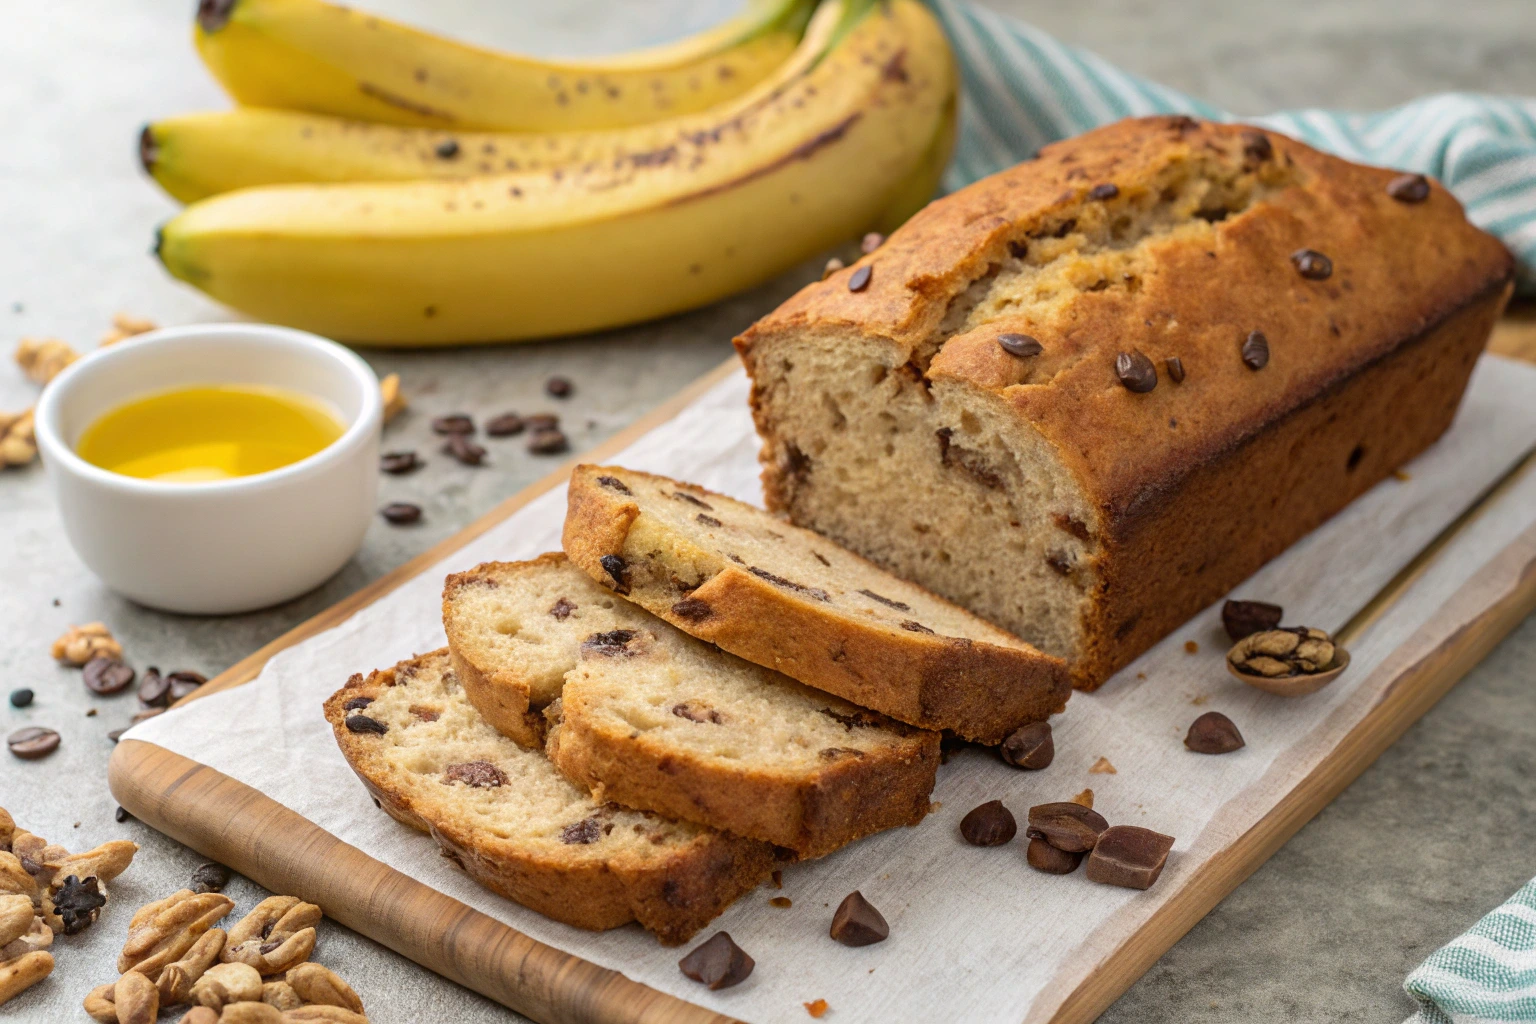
(378, 184)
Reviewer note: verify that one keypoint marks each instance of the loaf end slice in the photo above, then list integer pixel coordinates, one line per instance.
(791, 600)
(514, 824)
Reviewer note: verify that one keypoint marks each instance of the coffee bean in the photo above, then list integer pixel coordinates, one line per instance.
(184, 682)
(154, 689)
(401, 513)
(1256, 145)
(542, 421)
(398, 463)
(1030, 747)
(1244, 618)
(558, 387)
(362, 723)
(1070, 827)
(505, 425)
(1255, 350)
(1213, 733)
(121, 815)
(857, 923)
(990, 824)
(871, 242)
(1312, 265)
(463, 450)
(33, 742)
(21, 698)
(1108, 190)
(1409, 188)
(1042, 856)
(1021, 345)
(1175, 367)
(447, 149)
(1129, 856)
(717, 962)
(210, 878)
(1136, 372)
(548, 441)
(859, 279)
(453, 423)
(106, 676)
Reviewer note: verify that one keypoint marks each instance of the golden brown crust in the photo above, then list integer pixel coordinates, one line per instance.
(983, 691)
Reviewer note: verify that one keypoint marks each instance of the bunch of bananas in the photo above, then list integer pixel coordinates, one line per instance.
(382, 185)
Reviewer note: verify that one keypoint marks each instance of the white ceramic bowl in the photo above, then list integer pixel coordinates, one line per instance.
(224, 546)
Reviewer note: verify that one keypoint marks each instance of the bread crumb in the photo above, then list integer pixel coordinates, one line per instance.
(1085, 798)
(1400, 475)
(1102, 767)
(780, 901)
(394, 399)
(1200, 700)
(1191, 647)
(90, 712)
(1141, 675)
(817, 1008)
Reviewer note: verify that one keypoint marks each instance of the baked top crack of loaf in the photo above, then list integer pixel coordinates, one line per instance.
(516, 825)
(649, 717)
(784, 597)
(1089, 395)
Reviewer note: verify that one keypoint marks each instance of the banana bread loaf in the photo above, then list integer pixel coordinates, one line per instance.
(1087, 396)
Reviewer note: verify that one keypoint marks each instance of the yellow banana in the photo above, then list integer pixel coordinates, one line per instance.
(321, 57)
(581, 249)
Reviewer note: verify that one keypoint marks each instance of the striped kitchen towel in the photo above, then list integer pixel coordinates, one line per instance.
(1486, 975)
(1024, 89)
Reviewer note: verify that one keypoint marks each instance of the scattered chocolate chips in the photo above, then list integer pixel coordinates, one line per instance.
(1129, 856)
(210, 877)
(78, 903)
(692, 609)
(859, 279)
(1042, 856)
(1070, 827)
(779, 581)
(479, 774)
(362, 723)
(1213, 733)
(106, 676)
(121, 815)
(154, 689)
(1255, 350)
(1244, 618)
(464, 450)
(184, 682)
(547, 441)
(1409, 188)
(1312, 265)
(1021, 345)
(613, 483)
(1136, 372)
(617, 570)
(1256, 145)
(21, 698)
(857, 923)
(398, 463)
(582, 833)
(610, 644)
(717, 962)
(562, 609)
(1107, 190)
(913, 626)
(357, 703)
(1283, 652)
(453, 423)
(32, 742)
(990, 824)
(401, 513)
(505, 425)
(559, 387)
(898, 605)
(1030, 747)
(871, 242)
(1175, 367)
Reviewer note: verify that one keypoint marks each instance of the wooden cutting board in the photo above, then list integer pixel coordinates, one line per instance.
(230, 822)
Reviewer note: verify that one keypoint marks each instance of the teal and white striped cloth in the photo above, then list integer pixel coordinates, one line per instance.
(1487, 975)
(1024, 89)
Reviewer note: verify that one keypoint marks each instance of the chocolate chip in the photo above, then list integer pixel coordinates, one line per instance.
(154, 689)
(1066, 826)
(779, 581)
(558, 387)
(562, 609)
(613, 483)
(717, 962)
(1213, 733)
(709, 521)
(1255, 350)
(617, 570)
(859, 279)
(32, 742)
(453, 423)
(464, 450)
(1409, 188)
(1136, 372)
(1042, 856)
(1108, 190)
(362, 723)
(505, 425)
(184, 683)
(912, 626)
(610, 644)
(447, 149)
(582, 833)
(1129, 856)
(899, 606)
(1030, 747)
(401, 513)
(692, 500)
(121, 815)
(857, 923)
(106, 676)
(692, 609)
(698, 713)
(1256, 145)
(1244, 618)
(547, 441)
(990, 824)
(398, 463)
(21, 698)
(357, 703)
(78, 903)
(1312, 265)
(1175, 367)
(1061, 562)
(871, 242)
(210, 877)
(1021, 345)
(478, 774)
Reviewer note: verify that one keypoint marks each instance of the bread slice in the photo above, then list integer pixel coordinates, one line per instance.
(795, 601)
(516, 825)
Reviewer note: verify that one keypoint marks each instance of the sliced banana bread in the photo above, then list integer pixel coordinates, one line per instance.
(795, 601)
(514, 824)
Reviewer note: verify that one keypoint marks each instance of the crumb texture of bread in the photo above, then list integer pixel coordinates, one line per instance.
(508, 818)
(794, 601)
(961, 421)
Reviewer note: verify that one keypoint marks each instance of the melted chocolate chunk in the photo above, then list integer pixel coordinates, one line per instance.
(617, 570)
(899, 606)
(582, 833)
(479, 774)
(779, 581)
(562, 609)
(611, 644)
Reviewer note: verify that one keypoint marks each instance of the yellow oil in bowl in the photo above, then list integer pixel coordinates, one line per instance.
(209, 432)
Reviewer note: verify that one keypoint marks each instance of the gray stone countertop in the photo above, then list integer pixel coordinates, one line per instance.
(1436, 833)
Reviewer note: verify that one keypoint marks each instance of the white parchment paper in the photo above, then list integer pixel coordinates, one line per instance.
(976, 935)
